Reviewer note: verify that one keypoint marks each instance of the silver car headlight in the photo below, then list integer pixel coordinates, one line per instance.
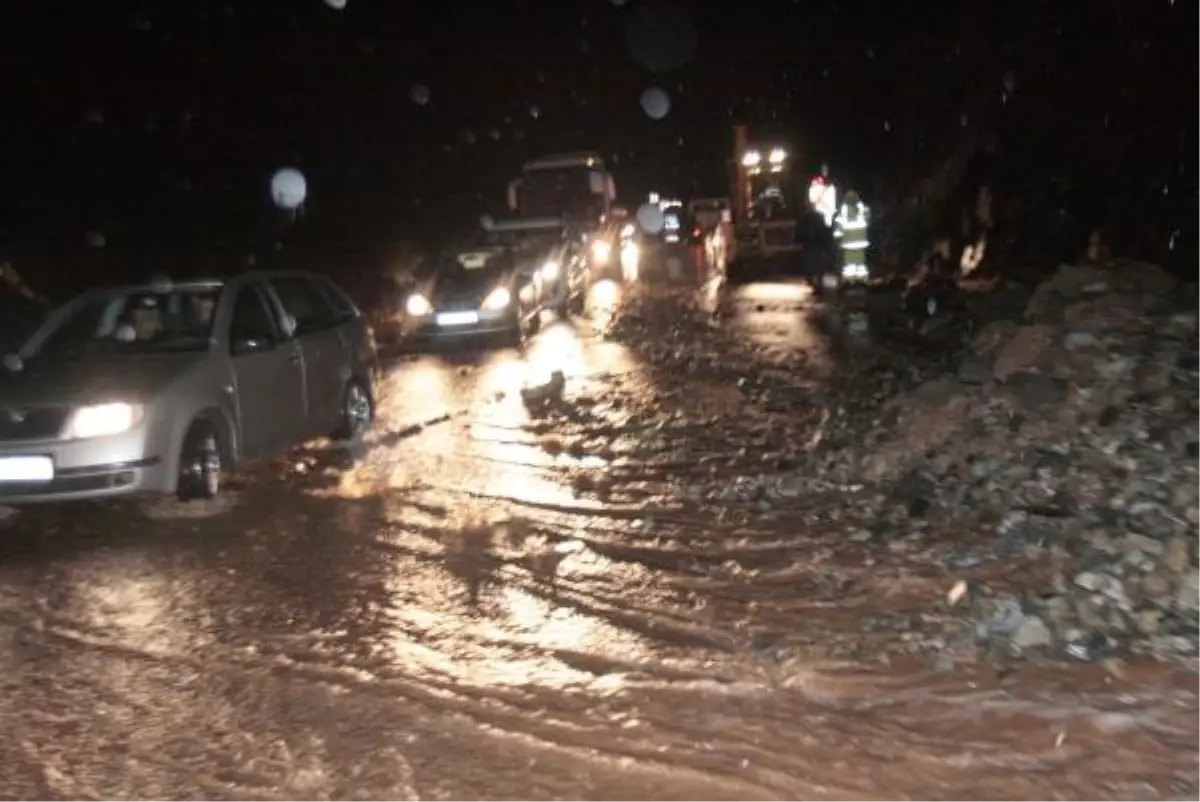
(497, 299)
(99, 420)
(418, 305)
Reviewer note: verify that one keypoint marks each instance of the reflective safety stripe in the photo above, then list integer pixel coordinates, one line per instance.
(852, 244)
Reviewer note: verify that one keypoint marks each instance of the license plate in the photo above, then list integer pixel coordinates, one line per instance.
(457, 318)
(26, 469)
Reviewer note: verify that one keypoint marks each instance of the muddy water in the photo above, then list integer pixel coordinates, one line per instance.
(501, 603)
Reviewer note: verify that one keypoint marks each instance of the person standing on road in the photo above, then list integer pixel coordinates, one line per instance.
(850, 229)
(817, 240)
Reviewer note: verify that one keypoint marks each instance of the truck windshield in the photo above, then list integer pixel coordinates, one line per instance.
(772, 198)
(177, 319)
(560, 192)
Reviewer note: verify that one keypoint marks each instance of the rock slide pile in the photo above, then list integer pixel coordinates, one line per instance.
(1070, 437)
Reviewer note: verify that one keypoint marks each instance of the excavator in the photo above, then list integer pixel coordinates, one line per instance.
(775, 230)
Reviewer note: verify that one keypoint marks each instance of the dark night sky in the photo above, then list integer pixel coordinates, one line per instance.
(158, 123)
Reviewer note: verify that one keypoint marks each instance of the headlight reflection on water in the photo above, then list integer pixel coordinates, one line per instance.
(630, 261)
(601, 251)
(605, 294)
(558, 348)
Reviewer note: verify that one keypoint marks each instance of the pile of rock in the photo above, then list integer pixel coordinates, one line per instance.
(1064, 441)
(1071, 437)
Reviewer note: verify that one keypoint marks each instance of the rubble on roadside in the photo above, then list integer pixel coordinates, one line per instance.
(1065, 438)
(1071, 437)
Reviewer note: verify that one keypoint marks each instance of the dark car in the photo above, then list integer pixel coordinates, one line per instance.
(480, 291)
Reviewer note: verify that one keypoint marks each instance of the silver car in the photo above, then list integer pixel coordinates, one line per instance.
(157, 388)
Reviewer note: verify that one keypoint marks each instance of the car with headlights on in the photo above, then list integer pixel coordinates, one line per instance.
(159, 388)
(545, 248)
(482, 291)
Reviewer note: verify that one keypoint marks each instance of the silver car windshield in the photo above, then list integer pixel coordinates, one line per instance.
(138, 320)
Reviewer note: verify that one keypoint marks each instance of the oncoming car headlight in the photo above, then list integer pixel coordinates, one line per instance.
(550, 271)
(601, 250)
(498, 298)
(99, 420)
(418, 305)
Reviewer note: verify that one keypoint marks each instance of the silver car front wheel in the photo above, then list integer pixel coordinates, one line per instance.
(200, 464)
(357, 412)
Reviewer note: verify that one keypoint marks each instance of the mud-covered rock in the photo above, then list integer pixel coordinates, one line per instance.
(1058, 451)
(1082, 438)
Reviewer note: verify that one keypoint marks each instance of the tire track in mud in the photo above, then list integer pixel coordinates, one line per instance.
(561, 523)
(515, 712)
(629, 546)
(765, 739)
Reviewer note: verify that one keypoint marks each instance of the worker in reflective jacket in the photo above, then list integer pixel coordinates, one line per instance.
(850, 229)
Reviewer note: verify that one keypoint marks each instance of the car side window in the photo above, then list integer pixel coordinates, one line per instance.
(252, 320)
(343, 307)
(305, 304)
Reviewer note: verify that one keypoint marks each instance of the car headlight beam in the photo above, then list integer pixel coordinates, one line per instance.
(497, 299)
(418, 305)
(99, 420)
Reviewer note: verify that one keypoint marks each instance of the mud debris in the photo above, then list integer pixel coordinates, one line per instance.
(1062, 443)
(1079, 452)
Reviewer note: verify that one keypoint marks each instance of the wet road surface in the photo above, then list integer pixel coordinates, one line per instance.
(505, 600)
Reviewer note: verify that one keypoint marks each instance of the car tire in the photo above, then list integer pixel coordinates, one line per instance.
(200, 463)
(514, 335)
(357, 412)
(533, 323)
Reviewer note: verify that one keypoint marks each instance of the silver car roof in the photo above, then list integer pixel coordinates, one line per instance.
(206, 283)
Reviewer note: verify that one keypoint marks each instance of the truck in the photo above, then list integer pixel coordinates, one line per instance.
(578, 189)
(774, 229)
(574, 186)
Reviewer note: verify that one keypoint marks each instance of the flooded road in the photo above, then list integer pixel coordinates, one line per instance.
(512, 594)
